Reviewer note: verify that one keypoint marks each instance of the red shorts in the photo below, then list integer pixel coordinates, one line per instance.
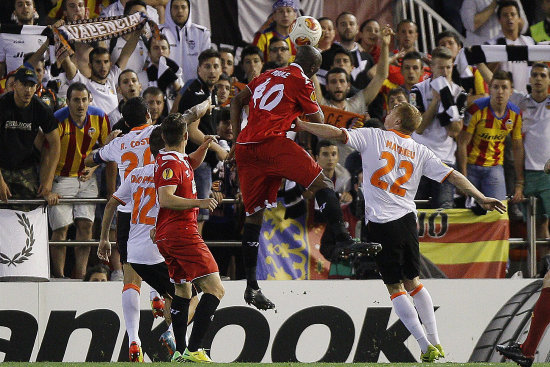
(187, 259)
(263, 165)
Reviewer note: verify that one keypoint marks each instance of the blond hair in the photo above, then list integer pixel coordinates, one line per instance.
(410, 117)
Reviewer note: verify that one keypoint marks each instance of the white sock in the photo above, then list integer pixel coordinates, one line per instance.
(153, 293)
(407, 314)
(425, 307)
(130, 309)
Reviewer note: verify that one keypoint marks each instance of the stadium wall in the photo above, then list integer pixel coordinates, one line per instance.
(330, 321)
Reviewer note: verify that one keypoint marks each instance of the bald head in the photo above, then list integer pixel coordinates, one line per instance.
(309, 58)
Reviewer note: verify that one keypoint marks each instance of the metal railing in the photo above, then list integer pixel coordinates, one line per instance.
(426, 19)
(530, 242)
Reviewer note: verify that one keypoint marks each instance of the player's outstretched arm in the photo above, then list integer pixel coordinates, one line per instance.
(197, 112)
(104, 248)
(197, 157)
(458, 179)
(168, 200)
(324, 131)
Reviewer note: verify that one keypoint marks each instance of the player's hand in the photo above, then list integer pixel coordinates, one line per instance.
(112, 135)
(52, 198)
(5, 193)
(493, 204)
(209, 204)
(153, 234)
(385, 34)
(104, 250)
(208, 140)
(518, 195)
(547, 167)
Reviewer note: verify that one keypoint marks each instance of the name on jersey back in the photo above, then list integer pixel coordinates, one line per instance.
(399, 149)
(135, 143)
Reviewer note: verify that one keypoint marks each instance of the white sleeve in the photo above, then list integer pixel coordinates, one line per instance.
(108, 153)
(357, 138)
(124, 192)
(434, 168)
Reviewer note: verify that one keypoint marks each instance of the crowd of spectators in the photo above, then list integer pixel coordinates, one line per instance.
(56, 110)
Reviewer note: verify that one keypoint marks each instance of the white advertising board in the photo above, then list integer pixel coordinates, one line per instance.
(325, 320)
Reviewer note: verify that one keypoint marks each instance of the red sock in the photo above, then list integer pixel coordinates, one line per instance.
(539, 322)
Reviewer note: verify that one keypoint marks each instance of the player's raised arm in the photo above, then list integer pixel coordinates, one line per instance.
(458, 179)
(323, 131)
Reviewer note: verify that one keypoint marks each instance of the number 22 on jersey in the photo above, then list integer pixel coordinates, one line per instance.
(395, 187)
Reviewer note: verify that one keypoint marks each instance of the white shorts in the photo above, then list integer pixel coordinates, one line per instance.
(71, 187)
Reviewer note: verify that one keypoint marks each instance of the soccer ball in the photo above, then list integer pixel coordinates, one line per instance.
(305, 31)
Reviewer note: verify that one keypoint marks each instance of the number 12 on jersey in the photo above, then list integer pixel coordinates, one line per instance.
(395, 186)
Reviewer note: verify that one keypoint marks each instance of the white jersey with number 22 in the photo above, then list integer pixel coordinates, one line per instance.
(393, 164)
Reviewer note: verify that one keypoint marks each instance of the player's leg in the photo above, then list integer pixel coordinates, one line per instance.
(257, 189)
(213, 292)
(83, 233)
(131, 310)
(390, 262)
(524, 354)
(180, 311)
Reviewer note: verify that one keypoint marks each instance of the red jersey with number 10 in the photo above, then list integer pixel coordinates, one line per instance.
(278, 97)
(173, 169)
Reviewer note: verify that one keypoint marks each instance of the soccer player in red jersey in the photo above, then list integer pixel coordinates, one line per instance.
(188, 258)
(265, 155)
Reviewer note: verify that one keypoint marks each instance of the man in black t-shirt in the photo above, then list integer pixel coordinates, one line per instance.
(23, 115)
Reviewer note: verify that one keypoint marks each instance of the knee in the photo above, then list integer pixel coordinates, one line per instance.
(321, 182)
(220, 291)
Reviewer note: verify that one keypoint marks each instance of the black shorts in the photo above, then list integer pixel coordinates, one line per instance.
(156, 276)
(122, 234)
(400, 255)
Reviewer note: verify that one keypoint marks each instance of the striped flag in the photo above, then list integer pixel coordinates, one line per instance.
(465, 245)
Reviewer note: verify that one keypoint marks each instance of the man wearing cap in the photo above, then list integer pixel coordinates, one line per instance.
(284, 14)
(23, 114)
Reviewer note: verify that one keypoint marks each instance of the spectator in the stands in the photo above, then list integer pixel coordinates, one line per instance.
(22, 116)
(510, 25)
(187, 40)
(540, 32)
(97, 273)
(369, 30)
(481, 22)
(285, 13)
(154, 98)
(128, 87)
(252, 62)
(137, 60)
(223, 89)
(536, 134)
(480, 151)
(327, 157)
(407, 35)
(72, 10)
(171, 79)
(228, 61)
(119, 6)
(14, 46)
(476, 88)
(47, 95)
(80, 127)
(437, 129)
(327, 37)
(278, 52)
(193, 93)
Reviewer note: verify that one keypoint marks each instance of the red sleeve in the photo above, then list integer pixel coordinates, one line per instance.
(168, 174)
(306, 97)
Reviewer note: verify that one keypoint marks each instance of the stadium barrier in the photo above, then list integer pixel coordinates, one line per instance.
(316, 321)
(13, 259)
